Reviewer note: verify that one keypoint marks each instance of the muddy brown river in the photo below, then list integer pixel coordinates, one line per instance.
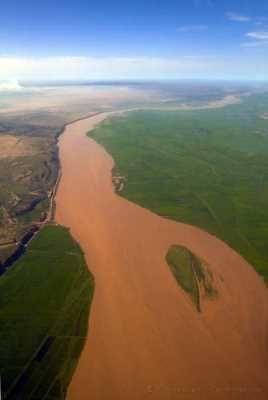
(146, 340)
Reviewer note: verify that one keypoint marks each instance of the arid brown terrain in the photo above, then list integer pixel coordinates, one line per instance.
(30, 123)
(146, 340)
(28, 167)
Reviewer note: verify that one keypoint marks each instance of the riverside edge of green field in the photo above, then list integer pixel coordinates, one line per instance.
(208, 168)
(45, 299)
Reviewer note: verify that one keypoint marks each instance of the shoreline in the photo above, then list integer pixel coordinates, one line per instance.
(37, 225)
(34, 229)
(134, 286)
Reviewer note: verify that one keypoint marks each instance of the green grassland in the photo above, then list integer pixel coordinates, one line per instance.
(208, 168)
(44, 305)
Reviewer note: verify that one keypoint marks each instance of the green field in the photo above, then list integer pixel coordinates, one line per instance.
(44, 306)
(208, 168)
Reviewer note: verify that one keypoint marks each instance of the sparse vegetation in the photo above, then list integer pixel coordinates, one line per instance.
(191, 274)
(44, 305)
(180, 261)
(28, 172)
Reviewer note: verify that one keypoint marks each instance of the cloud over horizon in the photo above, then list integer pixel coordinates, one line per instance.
(79, 68)
(117, 68)
(10, 85)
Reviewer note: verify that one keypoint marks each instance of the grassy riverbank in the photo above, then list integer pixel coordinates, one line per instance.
(208, 168)
(44, 306)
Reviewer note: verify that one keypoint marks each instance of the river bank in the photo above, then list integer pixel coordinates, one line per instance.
(145, 338)
(20, 246)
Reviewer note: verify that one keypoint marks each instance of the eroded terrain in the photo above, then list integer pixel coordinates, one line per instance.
(30, 124)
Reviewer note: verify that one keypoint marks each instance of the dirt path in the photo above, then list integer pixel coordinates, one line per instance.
(146, 340)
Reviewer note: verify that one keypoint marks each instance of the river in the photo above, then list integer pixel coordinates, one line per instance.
(145, 338)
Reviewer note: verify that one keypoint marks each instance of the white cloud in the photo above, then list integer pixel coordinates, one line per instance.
(192, 28)
(258, 39)
(259, 35)
(237, 17)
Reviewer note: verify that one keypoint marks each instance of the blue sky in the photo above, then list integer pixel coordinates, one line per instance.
(225, 39)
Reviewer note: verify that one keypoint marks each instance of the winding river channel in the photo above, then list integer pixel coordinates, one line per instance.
(145, 338)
